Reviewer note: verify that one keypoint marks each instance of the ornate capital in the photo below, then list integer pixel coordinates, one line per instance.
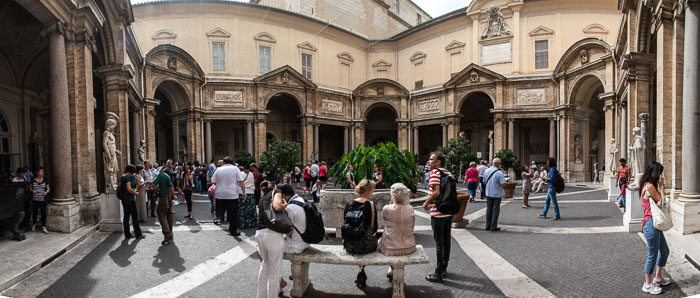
(60, 28)
(644, 116)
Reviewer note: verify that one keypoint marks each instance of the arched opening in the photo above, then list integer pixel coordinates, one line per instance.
(283, 121)
(380, 125)
(5, 148)
(99, 116)
(589, 137)
(476, 121)
(164, 128)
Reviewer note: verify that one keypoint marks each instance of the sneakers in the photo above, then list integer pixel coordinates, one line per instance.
(651, 289)
(662, 282)
(44, 230)
(434, 277)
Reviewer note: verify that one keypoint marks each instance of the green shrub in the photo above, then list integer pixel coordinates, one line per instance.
(396, 165)
(507, 158)
(243, 158)
(458, 154)
(283, 154)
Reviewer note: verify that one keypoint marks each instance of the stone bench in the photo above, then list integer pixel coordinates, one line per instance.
(334, 254)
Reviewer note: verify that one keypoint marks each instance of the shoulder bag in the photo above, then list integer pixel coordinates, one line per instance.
(277, 221)
(661, 216)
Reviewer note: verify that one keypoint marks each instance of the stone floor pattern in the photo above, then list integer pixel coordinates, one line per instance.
(586, 254)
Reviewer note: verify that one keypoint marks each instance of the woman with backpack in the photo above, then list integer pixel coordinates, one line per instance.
(360, 226)
(270, 242)
(551, 179)
(657, 249)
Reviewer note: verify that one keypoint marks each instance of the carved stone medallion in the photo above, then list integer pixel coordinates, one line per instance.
(474, 76)
(380, 91)
(172, 63)
(584, 56)
(285, 78)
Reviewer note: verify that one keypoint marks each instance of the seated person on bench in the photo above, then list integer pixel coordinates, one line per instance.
(360, 226)
(399, 220)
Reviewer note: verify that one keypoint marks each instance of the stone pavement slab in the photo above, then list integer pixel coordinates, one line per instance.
(19, 259)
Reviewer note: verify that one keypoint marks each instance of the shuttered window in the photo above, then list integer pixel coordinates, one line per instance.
(454, 64)
(218, 50)
(306, 66)
(264, 59)
(541, 54)
(418, 75)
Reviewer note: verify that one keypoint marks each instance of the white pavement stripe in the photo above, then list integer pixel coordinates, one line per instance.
(574, 201)
(189, 228)
(548, 230)
(565, 193)
(511, 281)
(202, 273)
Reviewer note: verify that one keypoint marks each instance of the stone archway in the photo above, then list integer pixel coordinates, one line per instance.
(476, 120)
(172, 133)
(381, 124)
(586, 143)
(284, 118)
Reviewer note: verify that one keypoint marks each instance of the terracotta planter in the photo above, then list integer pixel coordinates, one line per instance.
(509, 188)
(462, 198)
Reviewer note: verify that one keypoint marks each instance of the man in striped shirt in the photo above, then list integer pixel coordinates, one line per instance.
(441, 223)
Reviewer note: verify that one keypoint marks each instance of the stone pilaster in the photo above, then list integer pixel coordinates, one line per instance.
(248, 136)
(686, 210)
(150, 128)
(511, 134)
(416, 143)
(498, 135)
(117, 101)
(552, 137)
(207, 140)
(316, 144)
(260, 139)
(444, 135)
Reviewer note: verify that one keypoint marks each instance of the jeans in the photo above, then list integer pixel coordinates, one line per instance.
(39, 206)
(657, 252)
(471, 188)
(551, 196)
(493, 210)
(230, 207)
(442, 234)
(211, 204)
(188, 197)
(197, 184)
(483, 187)
(131, 212)
(623, 201)
(270, 247)
(595, 177)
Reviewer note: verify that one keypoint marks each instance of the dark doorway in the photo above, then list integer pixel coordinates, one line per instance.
(330, 139)
(283, 121)
(477, 121)
(381, 125)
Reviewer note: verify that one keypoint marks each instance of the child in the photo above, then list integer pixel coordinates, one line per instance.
(622, 201)
(314, 192)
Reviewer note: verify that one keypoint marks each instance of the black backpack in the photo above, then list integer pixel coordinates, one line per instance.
(353, 228)
(121, 189)
(447, 203)
(315, 231)
(559, 185)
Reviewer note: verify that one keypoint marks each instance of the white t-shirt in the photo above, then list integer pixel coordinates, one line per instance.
(249, 182)
(314, 170)
(226, 179)
(296, 213)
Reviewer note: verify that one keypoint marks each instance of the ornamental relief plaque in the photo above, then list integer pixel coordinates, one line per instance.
(228, 98)
(331, 106)
(527, 97)
(429, 106)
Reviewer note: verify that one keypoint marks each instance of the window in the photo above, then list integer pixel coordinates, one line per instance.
(418, 75)
(418, 20)
(306, 65)
(264, 59)
(541, 54)
(396, 5)
(345, 75)
(382, 74)
(218, 54)
(454, 64)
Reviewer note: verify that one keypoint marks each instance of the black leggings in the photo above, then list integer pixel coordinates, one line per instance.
(39, 206)
(188, 198)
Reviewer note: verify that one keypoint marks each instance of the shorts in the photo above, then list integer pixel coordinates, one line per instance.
(323, 178)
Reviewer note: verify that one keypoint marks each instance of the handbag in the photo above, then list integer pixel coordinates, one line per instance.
(277, 221)
(661, 215)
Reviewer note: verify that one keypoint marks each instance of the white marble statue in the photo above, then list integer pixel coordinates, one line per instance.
(142, 152)
(611, 164)
(578, 149)
(111, 163)
(636, 152)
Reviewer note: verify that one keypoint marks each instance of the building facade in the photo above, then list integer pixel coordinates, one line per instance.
(199, 80)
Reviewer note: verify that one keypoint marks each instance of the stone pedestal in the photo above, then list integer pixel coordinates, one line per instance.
(613, 191)
(65, 218)
(111, 213)
(686, 216)
(632, 219)
(90, 210)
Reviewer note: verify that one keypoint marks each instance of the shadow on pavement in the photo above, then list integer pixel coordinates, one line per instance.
(168, 258)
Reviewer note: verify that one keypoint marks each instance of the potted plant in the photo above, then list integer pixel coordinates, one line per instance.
(507, 158)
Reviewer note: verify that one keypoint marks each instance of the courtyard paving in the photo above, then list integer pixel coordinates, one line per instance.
(586, 254)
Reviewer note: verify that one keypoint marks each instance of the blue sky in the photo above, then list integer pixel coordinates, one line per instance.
(435, 8)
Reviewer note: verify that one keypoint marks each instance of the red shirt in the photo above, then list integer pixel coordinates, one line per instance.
(435, 181)
(623, 172)
(256, 175)
(323, 171)
(472, 175)
(646, 209)
(307, 173)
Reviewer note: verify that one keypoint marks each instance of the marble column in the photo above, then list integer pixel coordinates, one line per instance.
(416, 144)
(249, 136)
(552, 137)
(316, 153)
(207, 139)
(444, 135)
(511, 134)
(345, 140)
(60, 122)
(136, 136)
(687, 210)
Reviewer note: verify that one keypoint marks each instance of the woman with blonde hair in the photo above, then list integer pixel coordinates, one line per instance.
(399, 220)
(360, 226)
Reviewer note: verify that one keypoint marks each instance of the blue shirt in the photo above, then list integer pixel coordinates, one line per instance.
(211, 170)
(493, 186)
(553, 173)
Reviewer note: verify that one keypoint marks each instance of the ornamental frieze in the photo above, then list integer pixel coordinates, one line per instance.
(530, 97)
(228, 98)
(429, 106)
(331, 106)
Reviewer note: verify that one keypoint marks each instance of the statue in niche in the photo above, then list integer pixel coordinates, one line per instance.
(584, 56)
(636, 152)
(578, 148)
(142, 152)
(172, 63)
(594, 146)
(495, 26)
(611, 164)
(109, 145)
(490, 136)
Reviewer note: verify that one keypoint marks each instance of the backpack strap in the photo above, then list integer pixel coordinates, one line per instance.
(489, 178)
(371, 226)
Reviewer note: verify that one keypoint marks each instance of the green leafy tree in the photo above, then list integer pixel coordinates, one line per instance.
(396, 165)
(507, 158)
(282, 154)
(243, 158)
(458, 154)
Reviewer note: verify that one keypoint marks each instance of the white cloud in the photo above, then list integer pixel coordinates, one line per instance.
(437, 8)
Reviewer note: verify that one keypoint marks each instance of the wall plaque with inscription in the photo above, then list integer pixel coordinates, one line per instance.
(496, 53)
(525, 97)
(331, 106)
(228, 98)
(429, 106)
